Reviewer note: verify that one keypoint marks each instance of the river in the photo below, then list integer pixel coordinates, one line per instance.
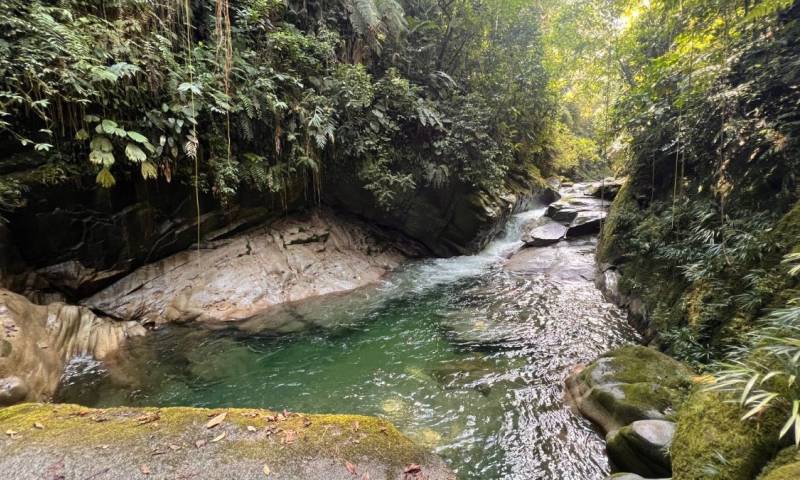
(461, 354)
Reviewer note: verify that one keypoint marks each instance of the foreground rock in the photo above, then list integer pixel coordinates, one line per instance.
(629, 384)
(68, 441)
(572, 260)
(242, 278)
(547, 234)
(642, 447)
(586, 223)
(36, 342)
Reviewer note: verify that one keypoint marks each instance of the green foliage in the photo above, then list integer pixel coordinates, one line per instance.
(407, 96)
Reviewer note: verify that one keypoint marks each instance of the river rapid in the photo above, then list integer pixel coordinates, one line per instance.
(467, 355)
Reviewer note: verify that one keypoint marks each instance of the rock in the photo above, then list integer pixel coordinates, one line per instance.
(629, 384)
(785, 466)
(543, 235)
(78, 442)
(562, 212)
(38, 341)
(586, 223)
(12, 390)
(629, 476)
(607, 189)
(454, 219)
(712, 435)
(244, 278)
(566, 261)
(642, 447)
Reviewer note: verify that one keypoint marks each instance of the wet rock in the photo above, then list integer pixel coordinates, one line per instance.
(606, 189)
(586, 223)
(38, 341)
(543, 235)
(629, 476)
(245, 278)
(642, 447)
(629, 384)
(572, 260)
(562, 212)
(77, 442)
(12, 390)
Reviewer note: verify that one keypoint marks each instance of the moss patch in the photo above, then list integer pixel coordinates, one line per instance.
(785, 466)
(175, 441)
(712, 438)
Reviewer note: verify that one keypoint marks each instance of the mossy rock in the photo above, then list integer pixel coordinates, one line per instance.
(711, 437)
(642, 447)
(629, 384)
(785, 466)
(69, 441)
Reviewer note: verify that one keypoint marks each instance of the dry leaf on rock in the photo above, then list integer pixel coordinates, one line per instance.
(216, 420)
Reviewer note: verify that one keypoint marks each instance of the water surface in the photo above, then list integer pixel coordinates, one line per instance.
(460, 354)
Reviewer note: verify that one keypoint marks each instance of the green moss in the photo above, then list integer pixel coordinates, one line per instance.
(638, 364)
(252, 437)
(785, 466)
(711, 437)
(608, 247)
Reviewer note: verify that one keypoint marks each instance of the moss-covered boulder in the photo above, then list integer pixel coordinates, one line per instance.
(785, 466)
(711, 437)
(69, 441)
(629, 384)
(642, 447)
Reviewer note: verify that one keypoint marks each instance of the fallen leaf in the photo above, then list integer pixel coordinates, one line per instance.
(38, 426)
(365, 476)
(11, 433)
(251, 428)
(356, 426)
(199, 443)
(216, 420)
(413, 468)
(144, 469)
(384, 430)
(174, 447)
(267, 470)
(351, 468)
(218, 437)
(306, 422)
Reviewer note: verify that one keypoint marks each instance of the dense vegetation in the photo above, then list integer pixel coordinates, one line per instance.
(710, 119)
(266, 94)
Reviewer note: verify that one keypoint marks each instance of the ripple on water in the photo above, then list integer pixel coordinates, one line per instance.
(461, 354)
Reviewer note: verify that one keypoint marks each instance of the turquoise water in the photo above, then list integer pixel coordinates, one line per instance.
(459, 354)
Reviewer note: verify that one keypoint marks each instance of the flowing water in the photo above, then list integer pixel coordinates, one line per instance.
(461, 354)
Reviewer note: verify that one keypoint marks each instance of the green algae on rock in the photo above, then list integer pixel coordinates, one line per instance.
(785, 466)
(712, 437)
(629, 384)
(78, 442)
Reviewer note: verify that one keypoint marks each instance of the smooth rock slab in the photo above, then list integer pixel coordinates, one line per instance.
(543, 235)
(244, 278)
(586, 223)
(643, 447)
(169, 443)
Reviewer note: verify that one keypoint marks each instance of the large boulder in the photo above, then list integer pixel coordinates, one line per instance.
(586, 223)
(642, 447)
(712, 435)
(547, 234)
(785, 466)
(606, 189)
(629, 384)
(37, 342)
(244, 278)
(68, 441)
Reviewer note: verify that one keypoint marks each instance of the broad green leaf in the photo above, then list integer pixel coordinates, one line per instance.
(134, 153)
(137, 137)
(81, 134)
(149, 170)
(105, 179)
(109, 126)
(101, 143)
